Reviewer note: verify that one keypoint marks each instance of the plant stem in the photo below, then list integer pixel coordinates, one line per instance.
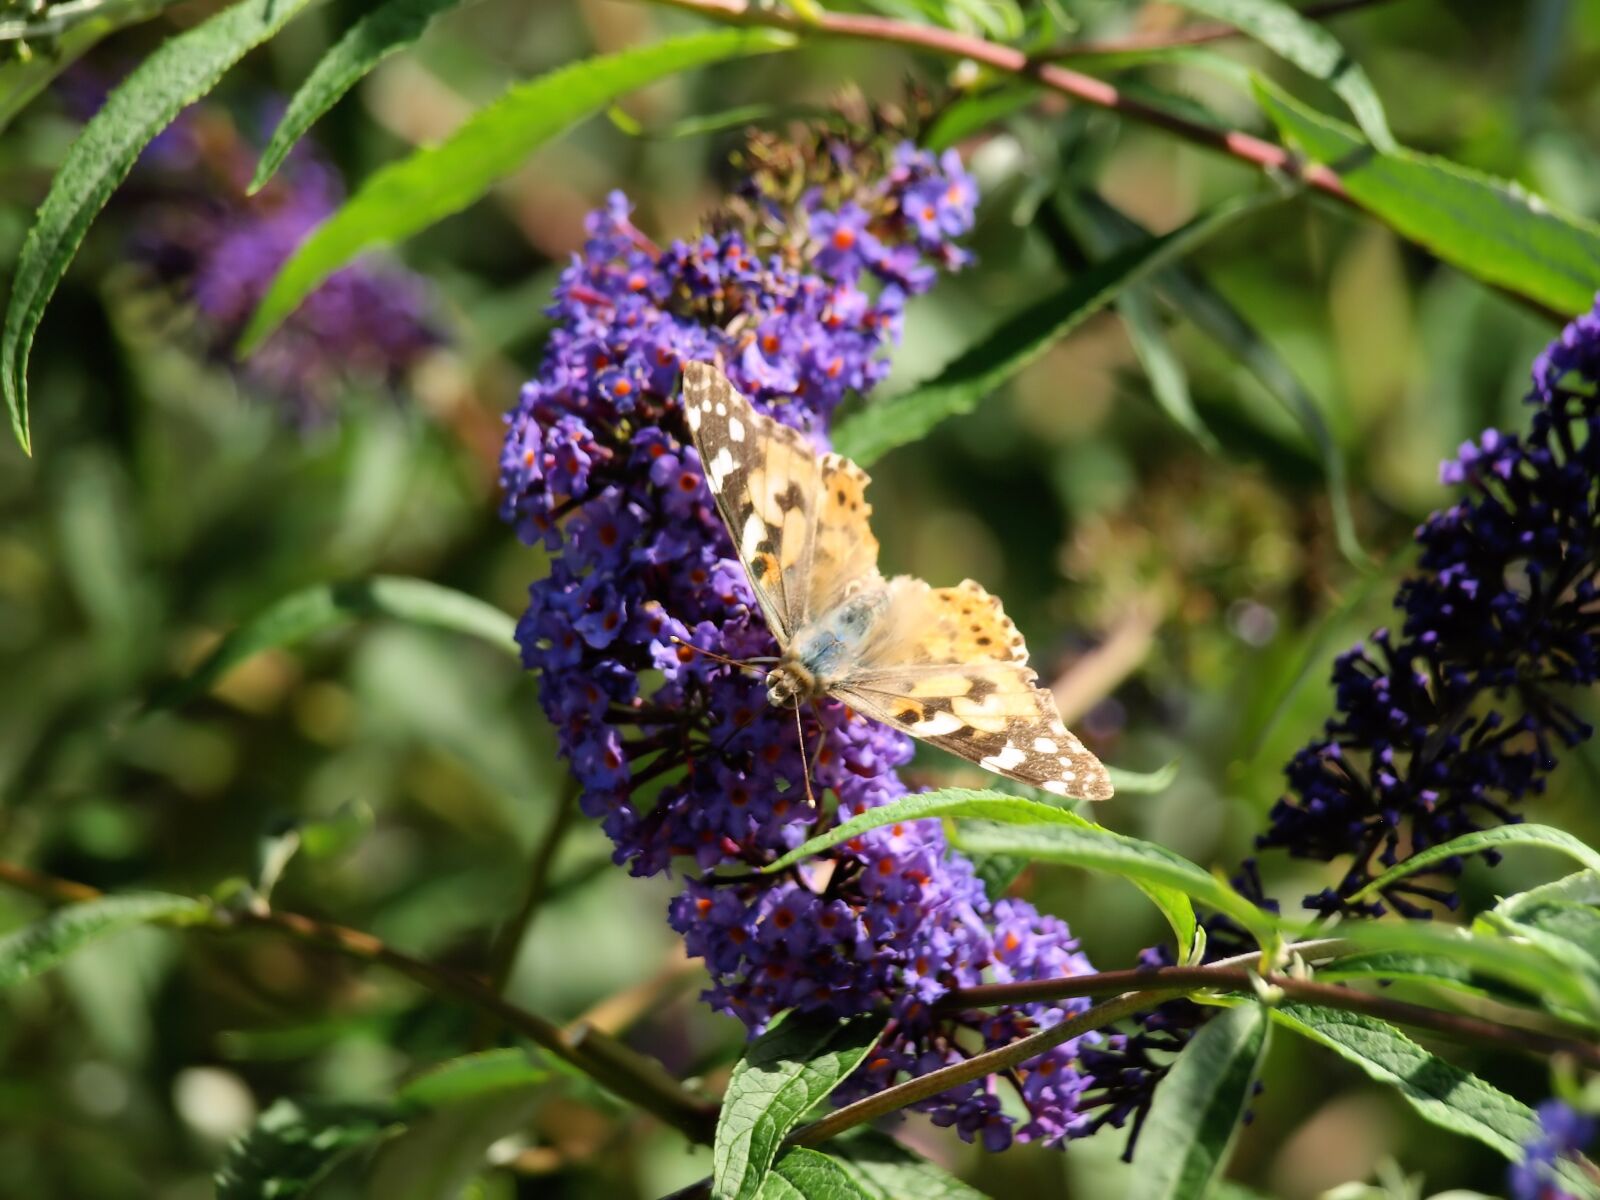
(1192, 35)
(1167, 982)
(503, 957)
(1086, 89)
(635, 1078)
(1007, 59)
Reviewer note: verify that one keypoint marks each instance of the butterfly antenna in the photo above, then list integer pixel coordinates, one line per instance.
(805, 764)
(742, 663)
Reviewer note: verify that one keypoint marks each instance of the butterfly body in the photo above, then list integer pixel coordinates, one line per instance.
(943, 664)
(823, 651)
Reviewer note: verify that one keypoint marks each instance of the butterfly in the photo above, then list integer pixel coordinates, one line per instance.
(945, 665)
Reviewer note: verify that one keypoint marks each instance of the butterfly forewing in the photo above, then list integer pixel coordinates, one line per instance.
(764, 477)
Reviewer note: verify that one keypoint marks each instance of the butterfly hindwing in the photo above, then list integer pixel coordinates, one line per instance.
(844, 550)
(952, 670)
(764, 477)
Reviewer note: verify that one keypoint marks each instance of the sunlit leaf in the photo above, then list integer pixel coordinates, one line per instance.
(1199, 1107)
(1479, 842)
(390, 27)
(1310, 47)
(1440, 1092)
(784, 1074)
(432, 183)
(1046, 833)
(1489, 228)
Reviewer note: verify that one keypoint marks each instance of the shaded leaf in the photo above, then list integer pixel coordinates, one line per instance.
(803, 1174)
(472, 1076)
(1188, 292)
(36, 948)
(432, 183)
(1441, 1093)
(390, 27)
(328, 605)
(1199, 1107)
(178, 72)
(784, 1073)
(293, 1145)
(1310, 47)
(867, 435)
(1487, 227)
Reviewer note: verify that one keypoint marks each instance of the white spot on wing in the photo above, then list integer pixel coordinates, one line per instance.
(1044, 745)
(755, 530)
(938, 724)
(735, 429)
(721, 467)
(1055, 787)
(1008, 759)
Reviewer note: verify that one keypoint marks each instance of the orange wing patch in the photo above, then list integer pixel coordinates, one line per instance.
(970, 626)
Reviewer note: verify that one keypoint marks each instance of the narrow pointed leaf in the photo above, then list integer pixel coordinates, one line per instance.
(178, 72)
(472, 1076)
(36, 948)
(390, 27)
(1440, 1092)
(1190, 294)
(432, 183)
(1310, 47)
(1046, 833)
(328, 605)
(1484, 226)
(879, 428)
(1199, 1107)
(1485, 839)
(784, 1074)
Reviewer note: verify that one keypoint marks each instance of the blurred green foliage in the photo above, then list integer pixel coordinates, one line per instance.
(164, 508)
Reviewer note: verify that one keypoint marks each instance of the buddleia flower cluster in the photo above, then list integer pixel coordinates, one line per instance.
(203, 239)
(1444, 726)
(798, 288)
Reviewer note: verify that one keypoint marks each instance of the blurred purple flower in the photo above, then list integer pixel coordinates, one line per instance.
(1563, 1133)
(680, 757)
(202, 236)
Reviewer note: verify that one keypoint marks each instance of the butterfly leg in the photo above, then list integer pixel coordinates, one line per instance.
(805, 762)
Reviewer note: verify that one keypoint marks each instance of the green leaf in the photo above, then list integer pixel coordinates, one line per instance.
(1429, 970)
(293, 1145)
(434, 182)
(178, 72)
(1044, 832)
(784, 1074)
(1190, 294)
(1143, 783)
(21, 80)
(390, 27)
(1576, 924)
(1311, 48)
(1441, 1093)
(1169, 382)
(1487, 227)
(803, 1174)
(36, 948)
(1539, 970)
(870, 433)
(327, 605)
(886, 1170)
(1581, 887)
(1198, 1108)
(972, 113)
(1477, 843)
(472, 1076)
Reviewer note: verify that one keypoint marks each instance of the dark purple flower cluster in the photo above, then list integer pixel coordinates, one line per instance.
(1442, 728)
(680, 756)
(1563, 1133)
(202, 236)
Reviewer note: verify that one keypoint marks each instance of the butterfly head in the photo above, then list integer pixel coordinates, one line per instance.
(788, 683)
